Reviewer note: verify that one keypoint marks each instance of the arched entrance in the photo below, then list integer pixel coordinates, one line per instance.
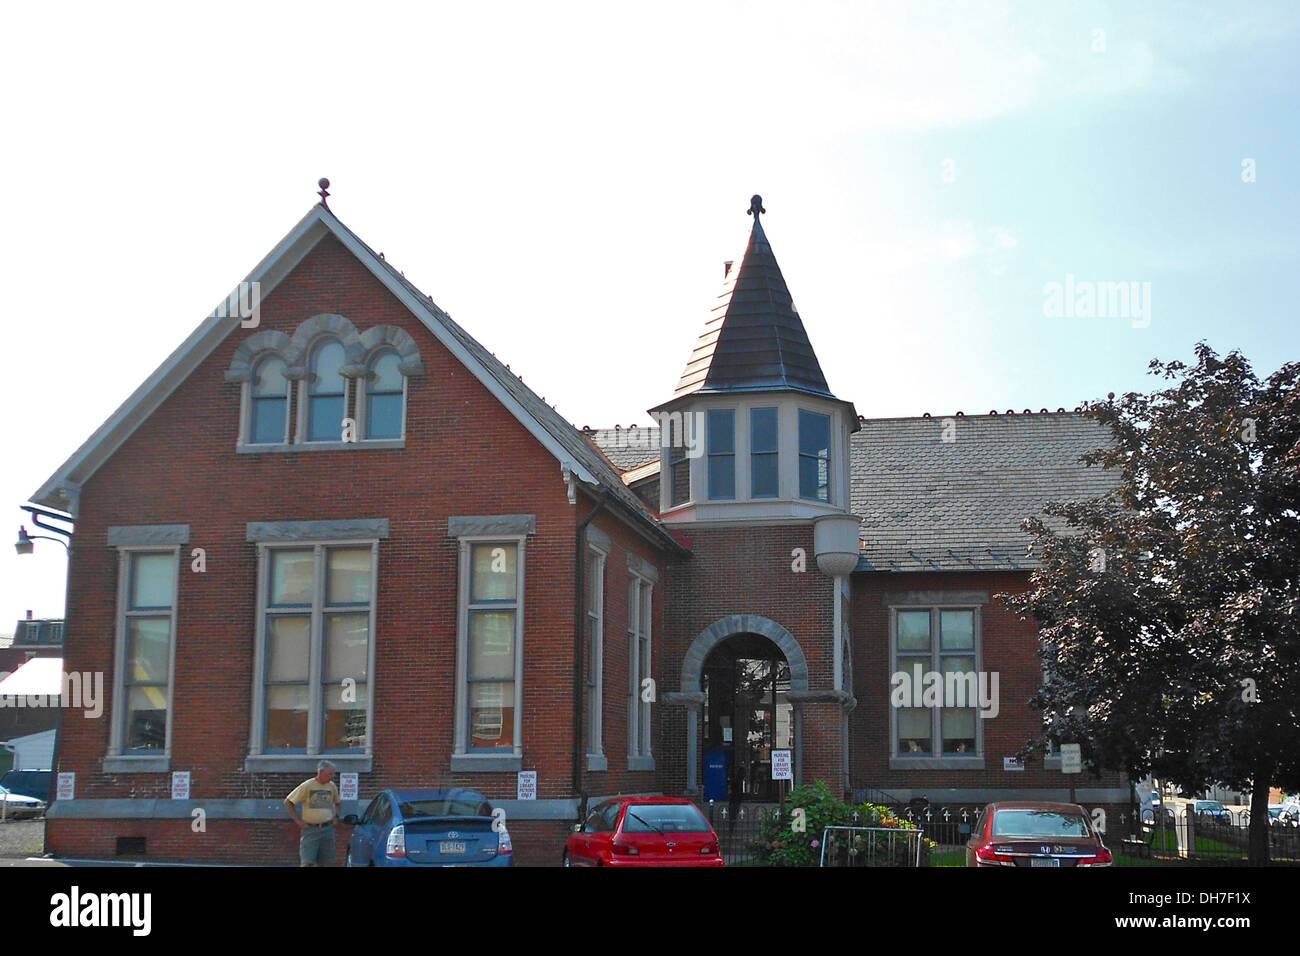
(747, 715)
(743, 673)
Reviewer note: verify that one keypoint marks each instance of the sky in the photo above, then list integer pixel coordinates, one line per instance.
(567, 180)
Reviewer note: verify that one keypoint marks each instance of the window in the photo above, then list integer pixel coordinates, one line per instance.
(940, 642)
(679, 462)
(384, 397)
(492, 627)
(640, 593)
(268, 411)
(763, 473)
(722, 453)
(147, 628)
(814, 456)
(595, 650)
(326, 392)
(317, 612)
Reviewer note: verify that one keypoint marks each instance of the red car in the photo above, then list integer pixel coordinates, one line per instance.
(644, 831)
(1035, 834)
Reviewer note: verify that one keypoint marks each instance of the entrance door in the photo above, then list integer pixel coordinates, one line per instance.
(747, 714)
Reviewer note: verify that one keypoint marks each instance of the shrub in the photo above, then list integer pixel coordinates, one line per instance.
(780, 844)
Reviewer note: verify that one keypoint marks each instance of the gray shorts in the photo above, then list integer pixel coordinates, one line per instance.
(316, 845)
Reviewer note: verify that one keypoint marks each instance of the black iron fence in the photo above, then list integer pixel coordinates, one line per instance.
(1173, 831)
(740, 829)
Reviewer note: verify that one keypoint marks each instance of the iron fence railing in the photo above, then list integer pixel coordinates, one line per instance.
(871, 846)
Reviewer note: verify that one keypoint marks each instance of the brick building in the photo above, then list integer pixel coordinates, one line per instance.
(334, 524)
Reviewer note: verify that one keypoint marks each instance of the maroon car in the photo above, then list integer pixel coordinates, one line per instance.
(644, 831)
(1035, 834)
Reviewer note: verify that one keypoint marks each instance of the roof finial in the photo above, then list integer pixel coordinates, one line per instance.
(756, 206)
(324, 193)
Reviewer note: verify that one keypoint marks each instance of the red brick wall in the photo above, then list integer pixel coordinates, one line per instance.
(748, 571)
(465, 454)
(1009, 648)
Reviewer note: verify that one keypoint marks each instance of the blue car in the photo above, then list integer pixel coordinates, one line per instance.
(429, 828)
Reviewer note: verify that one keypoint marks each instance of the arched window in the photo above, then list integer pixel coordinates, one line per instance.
(384, 397)
(326, 392)
(268, 403)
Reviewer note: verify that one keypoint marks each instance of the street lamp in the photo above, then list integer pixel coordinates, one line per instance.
(24, 544)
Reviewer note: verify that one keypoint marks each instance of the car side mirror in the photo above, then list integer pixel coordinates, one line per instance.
(351, 819)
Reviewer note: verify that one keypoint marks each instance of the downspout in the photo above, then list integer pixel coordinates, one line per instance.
(579, 664)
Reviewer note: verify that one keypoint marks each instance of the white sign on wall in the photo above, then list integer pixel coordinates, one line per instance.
(1012, 763)
(1071, 759)
(526, 788)
(67, 785)
(782, 767)
(180, 784)
(348, 786)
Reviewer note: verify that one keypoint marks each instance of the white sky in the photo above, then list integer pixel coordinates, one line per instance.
(567, 179)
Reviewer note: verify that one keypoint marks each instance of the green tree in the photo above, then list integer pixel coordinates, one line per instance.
(1168, 611)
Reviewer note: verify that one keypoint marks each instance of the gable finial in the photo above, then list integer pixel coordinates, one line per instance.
(324, 193)
(756, 206)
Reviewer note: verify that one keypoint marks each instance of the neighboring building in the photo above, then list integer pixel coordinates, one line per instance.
(351, 530)
(32, 638)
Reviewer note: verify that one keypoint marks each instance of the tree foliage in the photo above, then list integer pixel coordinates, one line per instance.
(1168, 609)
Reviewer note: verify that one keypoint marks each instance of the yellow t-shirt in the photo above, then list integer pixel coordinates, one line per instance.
(319, 800)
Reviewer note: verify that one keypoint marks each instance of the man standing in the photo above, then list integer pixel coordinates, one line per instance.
(321, 803)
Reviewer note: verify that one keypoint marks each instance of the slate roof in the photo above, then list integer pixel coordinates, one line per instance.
(928, 505)
(627, 448)
(754, 339)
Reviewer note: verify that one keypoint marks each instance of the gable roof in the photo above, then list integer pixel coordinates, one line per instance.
(754, 340)
(551, 430)
(927, 505)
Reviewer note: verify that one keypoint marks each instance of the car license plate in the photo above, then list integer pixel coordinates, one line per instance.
(1048, 862)
(451, 846)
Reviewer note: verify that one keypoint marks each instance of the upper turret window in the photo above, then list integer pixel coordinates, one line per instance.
(763, 472)
(814, 456)
(722, 453)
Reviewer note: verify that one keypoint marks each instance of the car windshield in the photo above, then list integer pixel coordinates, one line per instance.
(1209, 805)
(444, 808)
(665, 817)
(1039, 823)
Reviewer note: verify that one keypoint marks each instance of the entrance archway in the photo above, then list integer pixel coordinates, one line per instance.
(762, 655)
(747, 715)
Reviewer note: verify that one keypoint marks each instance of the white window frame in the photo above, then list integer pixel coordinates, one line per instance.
(708, 455)
(246, 404)
(363, 396)
(304, 398)
(799, 456)
(595, 619)
(462, 753)
(640, 627)
(316, 659)
(117, 733)
(932, 761)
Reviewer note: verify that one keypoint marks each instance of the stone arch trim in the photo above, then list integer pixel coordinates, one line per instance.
(253, 348)
(719, 631)
(399, 340)
(326, 323)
